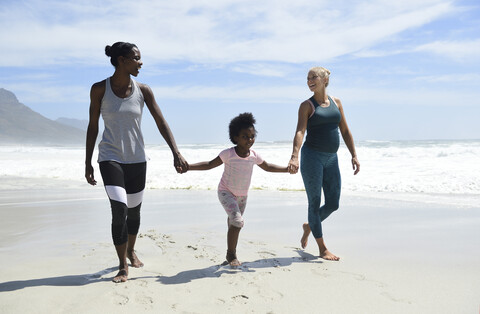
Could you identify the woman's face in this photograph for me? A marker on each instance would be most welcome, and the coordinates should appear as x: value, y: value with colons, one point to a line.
x: 315, y: 81
x: 133, y: 62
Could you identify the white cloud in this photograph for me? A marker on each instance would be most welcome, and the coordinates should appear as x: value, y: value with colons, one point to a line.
x: 389, y: 97
x: 261, y: 69
x: 460, y: 50
x: 233, y: 93
x: 450, y: 78
x: 52, y: 32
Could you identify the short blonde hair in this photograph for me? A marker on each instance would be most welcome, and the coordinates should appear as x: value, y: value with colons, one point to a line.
x: 322, y: 72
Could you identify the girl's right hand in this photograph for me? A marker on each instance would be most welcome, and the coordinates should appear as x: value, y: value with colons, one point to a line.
x: 293, y: 165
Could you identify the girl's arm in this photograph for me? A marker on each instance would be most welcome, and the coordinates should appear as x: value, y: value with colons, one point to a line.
x: 348, y: 138
x: 179, y: 162
x: 206, y: 165
x: 272, y: 167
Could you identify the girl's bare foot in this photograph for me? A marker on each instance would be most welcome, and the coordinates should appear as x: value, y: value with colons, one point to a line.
x: 329, y: 256
x: 306, y: 233
x: 232, y: 259
x: 122, y: 276
x: 134, y: 261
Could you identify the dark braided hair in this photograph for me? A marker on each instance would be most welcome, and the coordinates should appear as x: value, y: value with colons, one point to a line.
x: 240, y: 122
x: 118, y: 49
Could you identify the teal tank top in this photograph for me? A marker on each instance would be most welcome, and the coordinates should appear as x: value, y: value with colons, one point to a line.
x: 322, y: 127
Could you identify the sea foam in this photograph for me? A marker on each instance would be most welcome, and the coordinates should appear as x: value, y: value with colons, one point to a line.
x: 434, y: 167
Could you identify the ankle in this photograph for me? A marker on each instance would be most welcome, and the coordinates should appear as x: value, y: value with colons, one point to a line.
x: 231, y: 255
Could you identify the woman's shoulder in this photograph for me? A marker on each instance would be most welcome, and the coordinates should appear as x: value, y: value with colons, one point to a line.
x: 306, y: 108
x: 335, y: 98
x: 98, y: 89
x: 337, y: 101
x: 306, y: 102
x: 100, y: 85
x: 144, y: 88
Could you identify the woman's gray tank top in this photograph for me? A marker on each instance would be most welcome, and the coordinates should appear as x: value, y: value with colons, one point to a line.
x: 122, y: 139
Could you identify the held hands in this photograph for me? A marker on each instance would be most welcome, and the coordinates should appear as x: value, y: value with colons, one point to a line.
x: 180, y: 164
x: 293, y: 165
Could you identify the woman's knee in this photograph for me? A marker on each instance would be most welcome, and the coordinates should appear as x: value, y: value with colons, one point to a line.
x: 119, y: 213
x: 332, y: 206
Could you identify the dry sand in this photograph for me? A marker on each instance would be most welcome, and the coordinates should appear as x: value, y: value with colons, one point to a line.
x: 396, y: 256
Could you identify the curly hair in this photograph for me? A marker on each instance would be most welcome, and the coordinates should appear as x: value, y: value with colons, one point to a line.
x: 118, y: 49
x: 240, y: 122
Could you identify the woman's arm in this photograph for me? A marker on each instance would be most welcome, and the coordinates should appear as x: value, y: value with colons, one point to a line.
x: 96, y: 94
x: 178, y: 161
x: 272, y: 167
x: 348, y: 137
x: 206, y: 165
x: 304, y: 113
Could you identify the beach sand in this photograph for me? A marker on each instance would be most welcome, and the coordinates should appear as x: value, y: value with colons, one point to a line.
x: 396, y: 256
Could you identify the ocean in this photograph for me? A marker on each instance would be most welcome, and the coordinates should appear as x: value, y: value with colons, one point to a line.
x: 437, y: 168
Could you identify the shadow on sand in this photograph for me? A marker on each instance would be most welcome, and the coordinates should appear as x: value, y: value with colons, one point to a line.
x: 180, y: 278
x: 68, y: 281
x: 218, y: 270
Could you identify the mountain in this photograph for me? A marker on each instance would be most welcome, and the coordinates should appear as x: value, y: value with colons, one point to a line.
x: 76, y: 123
x: 21, y: 125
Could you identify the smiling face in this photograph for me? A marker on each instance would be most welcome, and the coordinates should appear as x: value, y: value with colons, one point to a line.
x: 315, y: 80
x: 245, y: 138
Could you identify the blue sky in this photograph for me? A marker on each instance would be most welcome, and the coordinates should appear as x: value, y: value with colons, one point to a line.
x: 403, y: 69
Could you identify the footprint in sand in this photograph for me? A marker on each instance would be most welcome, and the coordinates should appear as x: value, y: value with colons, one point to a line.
x: 160, y: 240
x: 145, y: 300
x: 241, y: 298
x: 266, y: 254
x: 390, y: 297
x: 321, y: 272
x: 120, y: 299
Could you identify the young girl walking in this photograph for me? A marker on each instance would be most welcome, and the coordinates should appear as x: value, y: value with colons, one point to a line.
x: 233, y: 187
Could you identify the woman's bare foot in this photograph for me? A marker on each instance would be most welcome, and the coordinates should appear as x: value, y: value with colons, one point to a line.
x: 306, y: 233
x: 134, y: 261
x: 324, y: 252
x: 329, y: 256
x: 122, y: 275
x: 232, y: 259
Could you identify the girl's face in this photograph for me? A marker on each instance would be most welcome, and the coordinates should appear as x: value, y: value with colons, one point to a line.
x: 245, y: 138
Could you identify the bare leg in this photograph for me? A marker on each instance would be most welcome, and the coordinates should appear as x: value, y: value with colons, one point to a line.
x: 306, y: 233
x: 232, y: 241
x: 122, y: 275
x: 324, y: 252
x: 134, y: 261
